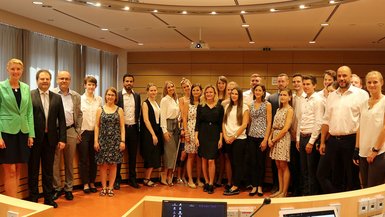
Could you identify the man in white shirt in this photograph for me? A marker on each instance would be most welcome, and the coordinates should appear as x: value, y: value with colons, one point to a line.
x: 356, y: 81
x: 248, y: 94
x: 341, y: 120
x: 307, y: 134
x: 295, y: 163
x: 129, y: 101
x: 329, y: 78
x: 74, y: 117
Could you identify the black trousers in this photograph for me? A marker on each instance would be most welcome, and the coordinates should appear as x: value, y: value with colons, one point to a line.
x: 373, y: 174
x: 295, y: 170
x: 46, y: 153
x: 336, y: 171
x: 309, y: 165
x: 238, y: 160
x: 132, y: 141
x: 256, y: 161
x: 87, y: 164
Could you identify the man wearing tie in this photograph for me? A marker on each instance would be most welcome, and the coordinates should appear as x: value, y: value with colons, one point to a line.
x: 73, y: 118
x: 50, y: 133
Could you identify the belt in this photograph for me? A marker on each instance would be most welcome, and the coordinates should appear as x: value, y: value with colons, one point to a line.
x: 305, y: 135
x: 70, y: 126
x: 344, y: 137
x: 130, y: 125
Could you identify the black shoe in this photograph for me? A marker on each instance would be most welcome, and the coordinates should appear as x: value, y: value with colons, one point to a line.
x: 68, y: 195
x: 260, y: 194
x: 117, y: 185
x: 93, y: 190
x: 57, y: 194
x: 210, y: 189
x: 231, y: 192
x: 51, y: 203
x: 252, y: 193
x: 33, y: 199
x: 134, y: 184
x: 227, y: 187
x: 205, y: 187
x: 87, y: 190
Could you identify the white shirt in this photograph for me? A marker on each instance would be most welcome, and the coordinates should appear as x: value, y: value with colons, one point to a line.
x: 321, y: 93
x: 310, y: 121
x: 371, y: 124
x: 232, y: 126
x: 298, y: 100
x: 88, y: 108
x: 342, y: 111
x: 156, y: 108
x: 129, y: 107
x: 169, y: 109
x: 68, y: 107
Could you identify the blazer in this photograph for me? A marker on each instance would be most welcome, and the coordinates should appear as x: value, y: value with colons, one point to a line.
x: 78, y: 114
x: 120, y: 103
x: 57, y: 131
x: 274, y: 100
x: 13, y: 119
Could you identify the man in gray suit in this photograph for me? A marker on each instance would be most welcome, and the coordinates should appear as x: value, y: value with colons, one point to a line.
x: 74, y: 117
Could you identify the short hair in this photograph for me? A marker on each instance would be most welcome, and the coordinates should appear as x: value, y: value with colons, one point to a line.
x: 264, y: 91
x: 128, y: 75
x: 283, y: 75
x: 255, y: 75
x: 41, y: 71
x: 312, y: 78
x: 331, y: 73
x: 112, y: 89
x: 90, y: 79
x: 297, y: 75
x: 14, y: 61
x: 175, y: 96
x: 150, y: 85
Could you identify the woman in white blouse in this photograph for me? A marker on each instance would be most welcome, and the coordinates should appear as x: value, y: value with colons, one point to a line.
x: 169, y: 114
x: 87, y: 165
x: 370, y: 148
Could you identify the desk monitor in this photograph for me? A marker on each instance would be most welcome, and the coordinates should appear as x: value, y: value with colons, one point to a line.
x: 172, y: 208
x: 327, y: 211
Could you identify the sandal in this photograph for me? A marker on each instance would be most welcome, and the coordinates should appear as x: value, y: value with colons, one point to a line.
x: 149, y: 183
x: 103, y: 192
x: 110, y: 192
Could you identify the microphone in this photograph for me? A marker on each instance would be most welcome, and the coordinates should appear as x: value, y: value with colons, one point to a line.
x: 266, y: 201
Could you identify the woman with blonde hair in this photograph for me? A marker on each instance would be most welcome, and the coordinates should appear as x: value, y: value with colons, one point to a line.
x: 16, y: 126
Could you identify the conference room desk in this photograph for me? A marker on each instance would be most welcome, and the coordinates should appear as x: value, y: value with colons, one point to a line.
x: 24, y: 208
x: 151, y: 206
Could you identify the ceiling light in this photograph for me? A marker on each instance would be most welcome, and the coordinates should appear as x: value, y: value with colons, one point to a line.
x: 140, y: 44
x: 311, y: 42
x: 302, y: 7
x: 251, y: 42
x: 69, y: 0
x: 37, y: 2
x: 273, y: 10
x: 126, y: 8
x: 243, y: 12
x: 184, y: 12
x: 332, y: 2
x: 155, y: 11
x: 245, y: 25
x: 98, y: 4
x: 104, y: 29
x: 324, y: 24
x: 213, y: 13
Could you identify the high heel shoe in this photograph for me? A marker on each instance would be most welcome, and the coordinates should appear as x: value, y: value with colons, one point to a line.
x: 163, y: 180
x: 191, y: 185
x: 110, y: 192
x: 253, y: 191
x: 103, y: 192
x: 148, y: 183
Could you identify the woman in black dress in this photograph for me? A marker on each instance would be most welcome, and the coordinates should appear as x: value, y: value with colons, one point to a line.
x: 208, y: 134
x: 151, y: 134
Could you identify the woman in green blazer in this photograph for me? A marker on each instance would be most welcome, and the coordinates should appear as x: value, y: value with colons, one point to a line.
x: 16, y: 126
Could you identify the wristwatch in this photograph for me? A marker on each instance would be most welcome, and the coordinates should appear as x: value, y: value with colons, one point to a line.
x: 375, y: 150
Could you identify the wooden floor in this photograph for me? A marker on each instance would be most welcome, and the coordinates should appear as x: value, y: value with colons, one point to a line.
x: 97, y: 206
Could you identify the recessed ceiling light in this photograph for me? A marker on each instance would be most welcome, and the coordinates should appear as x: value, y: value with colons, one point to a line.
x: 273, y: 10
x: 140, y: 44
x: 245, y: 25
x: 69, y: 0
x: 126, y: 8
x: 37, y: 2
x: 184, y: 12
x: 243, y: 12
x: 155, y: 11
x: 104, y: 29
x: 302, y: 7
x: 311, y: 42
x: 213, y: 12
x: 332, y: 2
x: 98, y: 4
x: 251, y: 42
x: 324, y: 24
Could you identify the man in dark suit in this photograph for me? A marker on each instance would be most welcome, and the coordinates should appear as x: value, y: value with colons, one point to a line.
x: 129, y: 101
x: 282, y: 83
x: 50, y: 133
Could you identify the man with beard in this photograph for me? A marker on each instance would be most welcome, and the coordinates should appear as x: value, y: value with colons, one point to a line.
x: 129, y: 101
x: 340, y: 120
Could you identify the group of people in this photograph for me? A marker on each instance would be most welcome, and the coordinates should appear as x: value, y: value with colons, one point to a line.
x: 319, y: 142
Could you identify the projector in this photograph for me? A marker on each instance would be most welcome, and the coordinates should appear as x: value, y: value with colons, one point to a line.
x: 199, y: 45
